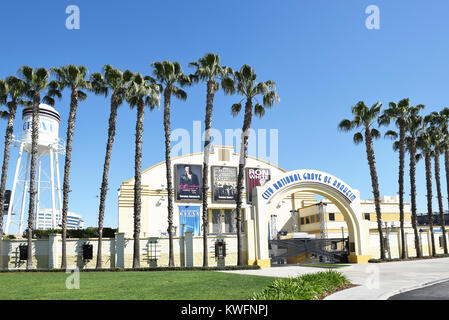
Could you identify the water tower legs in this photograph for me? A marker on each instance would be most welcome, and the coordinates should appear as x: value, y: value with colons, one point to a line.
x: 25, y: 191
x: 13, y: 191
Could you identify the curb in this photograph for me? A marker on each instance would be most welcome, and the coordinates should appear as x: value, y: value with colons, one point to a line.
x: 419, y: 286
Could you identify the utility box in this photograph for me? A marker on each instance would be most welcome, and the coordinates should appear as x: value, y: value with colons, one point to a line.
x: 220, y: 249
x: 87, y: 251
x: 23, y: 252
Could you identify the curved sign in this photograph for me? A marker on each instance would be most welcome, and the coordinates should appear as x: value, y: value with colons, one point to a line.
x: 298, y: 177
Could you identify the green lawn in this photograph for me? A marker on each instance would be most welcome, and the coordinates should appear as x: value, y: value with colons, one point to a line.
x: 160, y: 285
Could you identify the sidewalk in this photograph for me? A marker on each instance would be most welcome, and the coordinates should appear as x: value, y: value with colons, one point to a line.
x: 377, y: 281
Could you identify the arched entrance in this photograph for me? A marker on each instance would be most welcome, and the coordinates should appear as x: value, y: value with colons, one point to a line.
x: 266, y: 197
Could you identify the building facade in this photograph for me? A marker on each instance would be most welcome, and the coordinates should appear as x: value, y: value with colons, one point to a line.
x: 297, y: 212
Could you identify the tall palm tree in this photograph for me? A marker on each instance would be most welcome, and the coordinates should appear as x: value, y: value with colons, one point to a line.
x: 115, y: 82
x: 424, y: 143
x: 364, y: 118
x: 444, y: 114
x: 246, y: 84
x: 439, y: 141
x: 440, y: 120
x: 141, y: 92
x: 400, y: 113
x: 73, y: 78
x: 169, y: 75
x: 208, y: 69
x: 415, y: 125
x: 12, y: 88
x: 35, y: 80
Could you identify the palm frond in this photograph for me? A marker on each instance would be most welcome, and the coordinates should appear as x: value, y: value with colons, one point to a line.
x: 357, y: 138
x: 235, y: 109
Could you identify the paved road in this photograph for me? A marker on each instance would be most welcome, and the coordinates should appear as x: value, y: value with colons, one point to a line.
x: 376, y: 281
x: 438, y: 291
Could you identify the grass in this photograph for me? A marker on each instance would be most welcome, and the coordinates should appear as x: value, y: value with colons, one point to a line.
x: 163, y: 285
x: 306, y: 287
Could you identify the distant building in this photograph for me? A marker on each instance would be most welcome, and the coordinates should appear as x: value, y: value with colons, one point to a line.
x: 43, y: 220
x: 423, y: 219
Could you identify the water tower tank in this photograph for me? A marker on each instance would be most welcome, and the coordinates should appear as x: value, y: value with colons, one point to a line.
x: 48, y: 128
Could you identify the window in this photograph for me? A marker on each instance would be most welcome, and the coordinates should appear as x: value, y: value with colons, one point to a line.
x: 317, y: 218
x: 366, y: 216
x: 224, y: 220
x: 302, y: 220
x: 331, y: 216
x: 216, y: 220
x: 230, y: 222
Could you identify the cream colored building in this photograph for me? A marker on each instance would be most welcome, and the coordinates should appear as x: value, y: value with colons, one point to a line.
x: 297, y: 211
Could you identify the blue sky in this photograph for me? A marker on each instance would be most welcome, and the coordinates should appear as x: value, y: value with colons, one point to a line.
x: 319, y: 53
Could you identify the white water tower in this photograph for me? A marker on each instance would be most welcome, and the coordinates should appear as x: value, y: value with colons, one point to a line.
x: 49, y: 146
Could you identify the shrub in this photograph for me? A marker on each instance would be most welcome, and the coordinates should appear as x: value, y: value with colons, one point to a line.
x: 305, y: 287
x: 74, y: 233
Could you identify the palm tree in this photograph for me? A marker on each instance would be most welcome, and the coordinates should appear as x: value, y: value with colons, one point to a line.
x: 444, y: 114
x: 169, y: 74
x: 114, y: 81
x: 208, y: 69
x: 439, y: 141
x: 35, y: 80
x: 364, y: 118
x: 245, y: 83
x: 141, y: 92
x: 415, y: 125
x: 73, y: 78
x: 400, y: 114
x: 440, y: 121
x: 424, y: 143
x: 13, y: 88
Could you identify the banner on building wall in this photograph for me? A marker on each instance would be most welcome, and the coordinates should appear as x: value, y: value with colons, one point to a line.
x: 188, y: 179
x: 189, y: 219
x: 224, y: 183
x: 255, y: 177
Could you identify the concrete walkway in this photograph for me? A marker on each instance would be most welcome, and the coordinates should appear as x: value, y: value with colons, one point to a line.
x: 377, y: 281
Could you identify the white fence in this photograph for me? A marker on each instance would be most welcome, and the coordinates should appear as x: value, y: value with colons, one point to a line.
x: 118, y: 252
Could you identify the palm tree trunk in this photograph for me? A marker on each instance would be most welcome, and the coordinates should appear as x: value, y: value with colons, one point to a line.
x: 34, y: 155
x: 446, y: 164
x: 429, y: 197
x: 207, y: 125
x: 167, y: 96
x: 6, y: 152
x: 375, y: 186
x: 138, y: 183
x: 66, y: 183
x: 243, y: 150
x: 104, y: 183
x: 413, y: 195
x: 440, y: 198
x: 401, y: 185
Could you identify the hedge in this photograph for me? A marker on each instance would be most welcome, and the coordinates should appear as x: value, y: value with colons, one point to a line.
x: 222, y: 268
x: 74, y: 233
